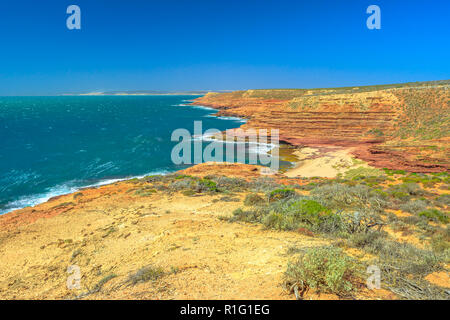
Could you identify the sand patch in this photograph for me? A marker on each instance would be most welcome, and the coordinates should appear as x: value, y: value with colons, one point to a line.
x: 327, y: 163
x: 441, y: 279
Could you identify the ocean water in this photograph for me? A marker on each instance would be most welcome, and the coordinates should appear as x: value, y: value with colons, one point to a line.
x: 55, y: 145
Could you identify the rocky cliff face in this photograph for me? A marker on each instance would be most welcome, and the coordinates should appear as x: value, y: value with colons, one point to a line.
x: 374, y: 119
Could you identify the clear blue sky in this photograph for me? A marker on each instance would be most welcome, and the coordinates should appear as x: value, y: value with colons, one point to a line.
x: 196, y: 44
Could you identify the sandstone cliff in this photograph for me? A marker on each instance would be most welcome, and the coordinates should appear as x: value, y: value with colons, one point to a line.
x: 392, y: 126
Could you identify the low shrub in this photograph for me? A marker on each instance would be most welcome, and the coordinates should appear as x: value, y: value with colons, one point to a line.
x: 365, y: 239
x: 440, y: 243
x: 435, y: 215
x: 325, y: 269
x: 413, y: 206
x: 279, y: 194
x: 404, y: 257
x: 245, y: 215
x: 341, y: 196
x: 362, y: 172
x: 360, y: 222
x: 409, y: 189
x: 194, y: 184
x: 263, y: 184
x: 147, y: 273
x: 443, y: 200
x: 297, y: 213
x: 206, y: 185
x: 253, y: 199
x: 230, y: 184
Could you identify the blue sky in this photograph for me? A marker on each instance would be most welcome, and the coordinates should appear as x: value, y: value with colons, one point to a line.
x: 196, y: 44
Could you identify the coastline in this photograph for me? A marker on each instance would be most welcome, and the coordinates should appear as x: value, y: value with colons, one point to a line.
x: 66, y: 189
x: 227, y: 231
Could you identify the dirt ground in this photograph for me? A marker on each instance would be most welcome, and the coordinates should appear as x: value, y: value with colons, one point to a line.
x: 110, y: 234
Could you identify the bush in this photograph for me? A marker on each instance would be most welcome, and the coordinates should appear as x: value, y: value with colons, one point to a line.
x: 279, y: 194
x: 293, y: 214
x: 434, y: 215
x: 365, y: 239
x: 148, y: 273
x: 413, y: 206
x: 308, y: 211
x: 253, y: 199
x: 279, y: 221
x: 440, y: 243
x: 230, y: 184
x: 406, y: 258
x: 246, y: 216
x: 443, y: 200
x: 409, y: 189
x: 263, y: 184
x: 341, y: 196
x: 360, y: 222
x: 325, y: 269
x: 206, y: 185
x: 392, y: 172
x: 193, y: 184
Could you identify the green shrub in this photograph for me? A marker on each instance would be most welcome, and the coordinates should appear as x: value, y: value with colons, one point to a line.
x: 192, y: 183
x: 230, y: 184
x: 360, y: 222
x: 245, y: 215
x: 279, y: 221
x: 279, y: 194
x: 414, y: 206
x: 362, y: 172
x: 253, y: 199
x: 391, y: 172
x: 365, y: 239
x: 207, y: 185
x: 325, y: 269
x: 440, y: 243
x: 435, y: 215
x: 341, y: 196
x: 145, y: 192
x: 443, y: 200
x: 263, y: 184
x: 294, y: 213
x: 406, y: 258
x: 410, y: 189
x: 308, y: 211
x: 156, y: 178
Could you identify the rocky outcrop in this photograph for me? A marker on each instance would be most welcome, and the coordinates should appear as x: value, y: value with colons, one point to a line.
x: 368, y: 120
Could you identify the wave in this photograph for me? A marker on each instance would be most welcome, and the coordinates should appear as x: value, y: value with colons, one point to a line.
x: 252, y: 147
x: 193, y: 106
x: 226, y: 118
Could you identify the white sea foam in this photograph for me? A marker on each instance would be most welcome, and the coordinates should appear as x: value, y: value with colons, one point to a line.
x: 203, y: 107
x: 253, y: 147
x: 226, y: 118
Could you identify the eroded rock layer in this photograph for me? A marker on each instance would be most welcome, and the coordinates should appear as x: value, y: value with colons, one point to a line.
x: 403, y: 127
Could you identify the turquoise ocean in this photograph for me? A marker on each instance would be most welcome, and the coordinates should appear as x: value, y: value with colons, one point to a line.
x: 51, y: 146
